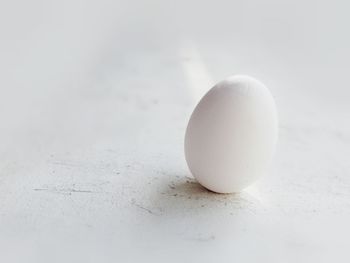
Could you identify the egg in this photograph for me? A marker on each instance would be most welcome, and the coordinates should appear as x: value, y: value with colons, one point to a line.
x: 231, y: 135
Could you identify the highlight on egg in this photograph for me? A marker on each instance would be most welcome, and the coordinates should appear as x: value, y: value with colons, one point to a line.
x: 231, y: 135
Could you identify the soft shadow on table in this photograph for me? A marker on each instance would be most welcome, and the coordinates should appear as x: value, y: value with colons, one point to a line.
x: 184, y: 195
x: 176, y: 208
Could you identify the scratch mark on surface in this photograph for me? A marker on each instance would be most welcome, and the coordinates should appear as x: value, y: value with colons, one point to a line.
x: 64, y: 191
x: 143, y: 208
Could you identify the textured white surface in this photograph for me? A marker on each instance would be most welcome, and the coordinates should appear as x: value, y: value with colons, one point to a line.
x: 94, y: 102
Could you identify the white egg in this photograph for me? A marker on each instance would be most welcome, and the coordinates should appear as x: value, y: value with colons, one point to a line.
x: 232, y: 133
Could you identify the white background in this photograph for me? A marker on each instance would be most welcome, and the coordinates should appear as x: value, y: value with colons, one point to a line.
x: 94, y: 101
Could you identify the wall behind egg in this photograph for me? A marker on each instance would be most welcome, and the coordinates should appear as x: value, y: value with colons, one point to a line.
x: 298, y: 49
x: 299, y: 39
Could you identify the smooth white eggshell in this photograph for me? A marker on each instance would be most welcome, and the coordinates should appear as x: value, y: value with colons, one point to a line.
x: 231, y: 136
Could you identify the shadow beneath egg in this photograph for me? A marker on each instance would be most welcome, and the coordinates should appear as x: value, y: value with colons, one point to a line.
x: 179, y: 208
x: 184, y: 195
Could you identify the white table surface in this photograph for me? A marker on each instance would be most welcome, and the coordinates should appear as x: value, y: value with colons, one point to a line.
x: 94, y: 101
